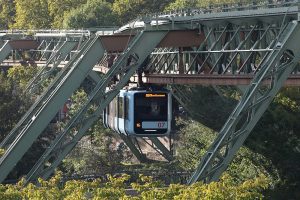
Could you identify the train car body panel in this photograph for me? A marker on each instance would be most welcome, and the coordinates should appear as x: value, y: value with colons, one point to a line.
x: 140, y: 113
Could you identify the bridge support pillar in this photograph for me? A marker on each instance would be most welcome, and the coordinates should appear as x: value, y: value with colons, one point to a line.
x: 275, y: 69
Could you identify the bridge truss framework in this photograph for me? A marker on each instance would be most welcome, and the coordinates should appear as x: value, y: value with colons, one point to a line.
x: 238, y: 45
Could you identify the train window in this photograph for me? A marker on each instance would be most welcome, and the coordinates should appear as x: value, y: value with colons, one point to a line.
x: 151, y: 107
x: 116, y: 107
x: 112, y: 108
x: 107, y: 109
x: 126, y: 107
x: 120, y: 107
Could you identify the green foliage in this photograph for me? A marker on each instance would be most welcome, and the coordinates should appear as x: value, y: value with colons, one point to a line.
x: 130, y: 9
x: 32, y: 14
x: 226, y: 189
x: 2, y: 151
x: 7, y: 12
x: 58, y: 9
x: 277, y: 137
x: 12, y: 103
x: 182, y: 4
x: 288, y: 98
x: 95, y: 152
x: 146, y: 189
x: 208, y: 107
x: 21, y: 75
x: 94, y: 13
x: 195, y: 140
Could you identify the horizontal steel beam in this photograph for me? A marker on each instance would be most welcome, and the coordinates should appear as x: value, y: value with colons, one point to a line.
x: 23, y: 44
x: 199, y: 79
x: 176, y: 38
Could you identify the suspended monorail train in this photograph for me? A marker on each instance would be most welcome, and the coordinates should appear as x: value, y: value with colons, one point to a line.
x: 140, y: 113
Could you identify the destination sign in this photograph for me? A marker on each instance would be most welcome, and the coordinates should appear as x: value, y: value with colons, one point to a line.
x: 155, y: 95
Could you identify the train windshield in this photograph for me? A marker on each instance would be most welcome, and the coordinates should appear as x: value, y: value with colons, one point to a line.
x: 151, y: 106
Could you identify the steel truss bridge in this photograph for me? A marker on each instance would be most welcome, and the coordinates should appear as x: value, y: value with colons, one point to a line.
x: 251, y: 45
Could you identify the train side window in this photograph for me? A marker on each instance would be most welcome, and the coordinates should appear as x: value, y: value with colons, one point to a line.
x: 112, y: 108
x: 126, y: 107
x: 107, y: 109
x: 120, y: 107
x: 116, y: 107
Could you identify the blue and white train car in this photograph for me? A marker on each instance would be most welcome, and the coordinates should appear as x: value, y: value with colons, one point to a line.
x: 140, y: 113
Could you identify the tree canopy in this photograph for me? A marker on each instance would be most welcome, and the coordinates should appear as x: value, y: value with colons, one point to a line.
x: 58, y: 9
x: 95, y: 13
x: 74, y: 14
x: 7, y: 12
x: 31, y: 14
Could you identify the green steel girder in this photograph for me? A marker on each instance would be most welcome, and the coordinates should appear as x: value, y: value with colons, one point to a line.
x: 55, y: 97
x: 236, y: 14
x: 181, y: 96
x: 136, y: 151
x: 157, y: 145
x: 48, y: 43
x: 55, y: 59
x: 279, y: 63
x: 94, y: 76
x: 160, y: 147
x: 49, y: 47
x: 227, y: 49
x: 30, y: 114
x: 201, y: 48
x: 5, y: 51
x: 138, y: 50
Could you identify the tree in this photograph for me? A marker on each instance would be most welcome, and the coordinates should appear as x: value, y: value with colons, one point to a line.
x: 58, y: 9
x: 11, y: 103
x: 195, y: 140
x: 277, y: 137
x: 32, y: 14
x: 182, y: 4
x: 11, y: 99
x: 130, y: 9
x: 94, y: 152
x: 146, y: 188
x: 95, y: 13
x: 7, y: 12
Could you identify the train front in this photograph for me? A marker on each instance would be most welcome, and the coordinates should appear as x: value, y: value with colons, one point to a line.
x: 152, y: 113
